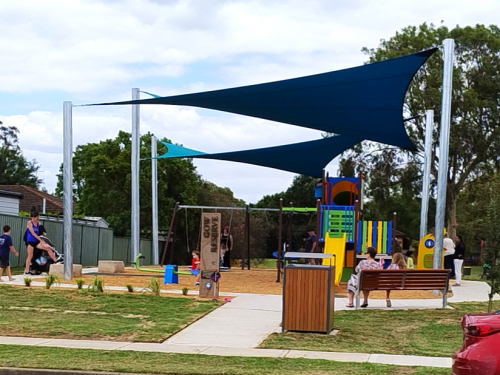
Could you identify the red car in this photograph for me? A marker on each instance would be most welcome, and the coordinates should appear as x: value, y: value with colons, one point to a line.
x: 480, y: 351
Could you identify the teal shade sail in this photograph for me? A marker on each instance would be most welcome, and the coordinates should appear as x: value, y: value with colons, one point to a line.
x: 307, y: 158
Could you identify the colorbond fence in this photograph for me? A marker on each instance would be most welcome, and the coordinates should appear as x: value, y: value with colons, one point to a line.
x: 90, y: 244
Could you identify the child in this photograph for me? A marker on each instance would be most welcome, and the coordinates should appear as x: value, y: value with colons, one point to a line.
x: 398, y: 263
x: 195, y: 266
x: 223, y: 249
x: 409, y: 259
x: 5, y: 249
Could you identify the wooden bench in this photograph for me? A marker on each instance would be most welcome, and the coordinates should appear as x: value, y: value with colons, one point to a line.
x: 409, y: 279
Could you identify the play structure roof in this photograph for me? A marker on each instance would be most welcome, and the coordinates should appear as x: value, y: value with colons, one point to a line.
x: 307, y: 158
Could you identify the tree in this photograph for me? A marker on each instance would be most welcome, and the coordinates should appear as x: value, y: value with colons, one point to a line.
x: 475, y: 130
x: 492, y: 252
x: 14, y: 168
x: 102, y: 182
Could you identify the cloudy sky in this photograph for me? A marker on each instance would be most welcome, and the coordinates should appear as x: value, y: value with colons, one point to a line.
x: 98, y: 50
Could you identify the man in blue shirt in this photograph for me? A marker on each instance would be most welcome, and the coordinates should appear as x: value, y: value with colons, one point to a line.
x: 310, y: 246
x: 5, y: 248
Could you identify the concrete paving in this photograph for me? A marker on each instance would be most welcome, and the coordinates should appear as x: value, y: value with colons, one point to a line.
x: 243, y: 323
x: 238, y: 327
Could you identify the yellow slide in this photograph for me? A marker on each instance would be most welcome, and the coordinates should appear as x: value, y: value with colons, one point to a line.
x: 336, y: 246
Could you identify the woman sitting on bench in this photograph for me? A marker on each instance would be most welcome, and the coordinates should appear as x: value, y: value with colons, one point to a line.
x: 352, y: 285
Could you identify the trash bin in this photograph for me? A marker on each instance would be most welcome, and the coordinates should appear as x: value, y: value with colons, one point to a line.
x: 308, y: 295
x: 467, y: 271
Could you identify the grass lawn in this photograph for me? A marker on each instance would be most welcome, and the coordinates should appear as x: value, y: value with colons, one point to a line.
x: 161, y: 363
x: 411, y: 332
x: 266, y: 263
x: 476, y: 272
x: 79, y: 314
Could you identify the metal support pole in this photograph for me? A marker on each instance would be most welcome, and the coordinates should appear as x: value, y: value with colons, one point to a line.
x: 444, y: 139
x: 280, y: 226
x: 247, y: 221
x: 426, y: 172
x: 393, y: 246
x: 68, y: 189
x: 136, y: 139
x: 154, y: 195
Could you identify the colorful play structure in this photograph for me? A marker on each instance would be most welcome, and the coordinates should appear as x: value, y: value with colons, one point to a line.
x: 341, y: 229
x: 426, y: 252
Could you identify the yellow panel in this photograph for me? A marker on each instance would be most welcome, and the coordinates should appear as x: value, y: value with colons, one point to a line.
x: 426, y: 251
x: 336, y: 246
x: 369, y: 236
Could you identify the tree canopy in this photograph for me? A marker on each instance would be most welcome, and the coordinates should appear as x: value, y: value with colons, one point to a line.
x: 14, y: 167
x: 475, y: 131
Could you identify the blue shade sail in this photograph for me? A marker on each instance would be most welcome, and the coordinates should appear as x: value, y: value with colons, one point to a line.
x: 307, y: 158
x: 364, y: 102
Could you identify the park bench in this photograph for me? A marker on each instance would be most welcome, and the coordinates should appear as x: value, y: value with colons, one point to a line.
x: 409, y: 279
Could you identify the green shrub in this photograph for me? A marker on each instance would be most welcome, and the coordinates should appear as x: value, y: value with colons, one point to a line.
x: 51, y: 280
x: 97, y: 284
x: 79, y: 283
x: 130, y: 288
x: 27, y: 281
x: 154, y: 286
x: 185, y: 290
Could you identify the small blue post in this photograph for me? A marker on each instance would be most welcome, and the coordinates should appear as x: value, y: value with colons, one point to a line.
x: 171, y: 276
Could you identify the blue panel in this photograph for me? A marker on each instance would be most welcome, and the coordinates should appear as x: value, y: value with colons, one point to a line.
x: 389, y: 237
x: 374, y: 234
x: 360, y: 236
x: 366, y: 101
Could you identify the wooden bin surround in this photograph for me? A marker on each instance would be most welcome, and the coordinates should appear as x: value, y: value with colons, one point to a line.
x: 308, y: 296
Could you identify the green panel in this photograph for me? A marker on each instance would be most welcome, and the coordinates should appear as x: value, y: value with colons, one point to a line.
x: 55, y: 231
x: 365, y: 232
x: 384, y: 237
x: 121, y: 249
x: 17, y: 228
x: 90, y: 246
x: 105, y: 244
x: 77, y: 244
x: 346, y: 274
x: 146, y: 250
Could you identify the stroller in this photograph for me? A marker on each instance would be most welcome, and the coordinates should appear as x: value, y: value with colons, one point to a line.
x: 40, y: 263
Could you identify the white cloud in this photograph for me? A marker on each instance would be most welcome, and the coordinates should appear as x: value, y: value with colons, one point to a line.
x: 95, y: 51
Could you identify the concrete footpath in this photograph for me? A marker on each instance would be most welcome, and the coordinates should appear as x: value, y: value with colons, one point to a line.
x: 238, y: 327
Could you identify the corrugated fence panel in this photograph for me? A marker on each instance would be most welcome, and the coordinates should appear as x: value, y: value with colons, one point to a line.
x: 77, y: 244
x: 105, y: 244
x: 121, y: 249
x: 17, y: 228
x: 90, y: 246
x: 55, y: 231
x: 146, y: 249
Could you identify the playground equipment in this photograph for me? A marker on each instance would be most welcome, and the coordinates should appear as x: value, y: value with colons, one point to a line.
x: 341, y: 228
x: 170, y: 271
x: 426, y: 252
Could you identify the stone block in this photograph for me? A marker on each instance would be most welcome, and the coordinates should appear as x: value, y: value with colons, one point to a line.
x: 58, y: 270
x: 110, y: 266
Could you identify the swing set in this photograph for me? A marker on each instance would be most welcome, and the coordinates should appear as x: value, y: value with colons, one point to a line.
x: 170, y: 241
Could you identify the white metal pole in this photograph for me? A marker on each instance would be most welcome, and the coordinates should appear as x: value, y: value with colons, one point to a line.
x: 68, y: 189
x: 154, y: 195
x: 136, y: 134
x: 444, y: 139
x: 426, y: 172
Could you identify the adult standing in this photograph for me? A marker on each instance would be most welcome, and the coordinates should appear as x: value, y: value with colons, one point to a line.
x: 459, y: 259
x: 310, y: 245
x: 449, y: 254
x: 226, y: 239
x: 33, y: 241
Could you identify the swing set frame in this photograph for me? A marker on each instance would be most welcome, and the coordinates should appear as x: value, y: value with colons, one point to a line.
x: 169, y: 243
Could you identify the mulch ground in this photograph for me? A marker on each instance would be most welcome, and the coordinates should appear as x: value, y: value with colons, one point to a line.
x: 235, y: 280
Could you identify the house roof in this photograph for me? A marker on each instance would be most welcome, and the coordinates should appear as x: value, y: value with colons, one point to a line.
x: 33, y: 197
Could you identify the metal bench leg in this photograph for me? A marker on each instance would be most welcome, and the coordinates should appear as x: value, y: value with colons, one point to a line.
x: 445, y: 298
x: 357, y: 300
